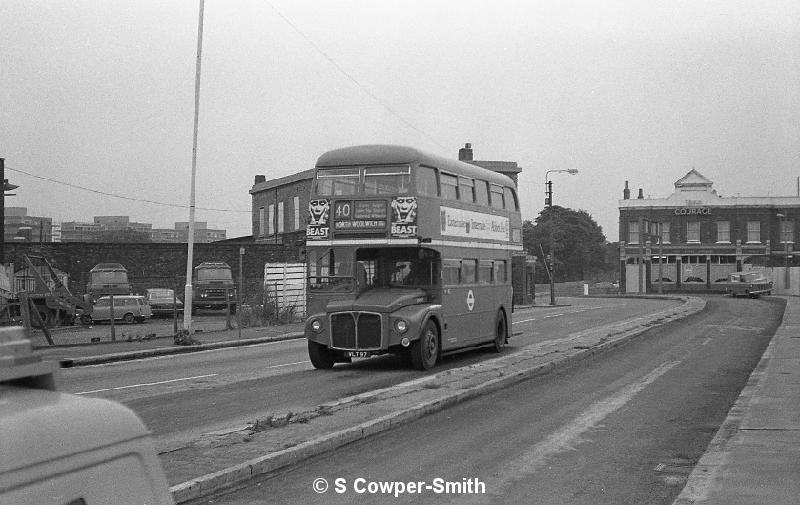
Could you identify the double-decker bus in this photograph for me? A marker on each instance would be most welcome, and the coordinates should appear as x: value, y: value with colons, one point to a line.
x: 408, y: 253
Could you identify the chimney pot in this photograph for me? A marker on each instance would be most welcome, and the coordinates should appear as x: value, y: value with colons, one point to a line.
x: 261, y: 178
x: 465, y: 153
x: 626, y: 193
x: 641, y: 194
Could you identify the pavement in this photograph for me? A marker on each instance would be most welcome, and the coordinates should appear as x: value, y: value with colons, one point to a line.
x: 753, y: 459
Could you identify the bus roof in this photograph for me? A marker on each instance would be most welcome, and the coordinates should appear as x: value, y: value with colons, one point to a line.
x: 385, y: 154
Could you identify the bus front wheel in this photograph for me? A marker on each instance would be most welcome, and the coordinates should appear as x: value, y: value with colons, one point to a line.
x: 425, y: 350
x: 321, y: 357
x: 500, y: 332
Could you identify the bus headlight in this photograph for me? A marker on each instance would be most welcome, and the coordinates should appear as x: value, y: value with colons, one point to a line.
x: 401, y: 326
x: 316, y: 325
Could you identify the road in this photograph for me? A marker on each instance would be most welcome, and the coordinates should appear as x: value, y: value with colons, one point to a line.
x: 181, y: 397
x: 625, y: 427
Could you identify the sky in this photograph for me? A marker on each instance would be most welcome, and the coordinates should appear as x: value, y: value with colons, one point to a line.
x: 97, y: 97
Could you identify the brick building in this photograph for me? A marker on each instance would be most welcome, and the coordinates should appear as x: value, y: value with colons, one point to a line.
x: 700, y: 237
x: 280, y: 208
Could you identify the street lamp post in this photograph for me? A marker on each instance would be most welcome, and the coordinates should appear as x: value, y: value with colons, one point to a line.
x: 784, y: 236
x: 548, y: 190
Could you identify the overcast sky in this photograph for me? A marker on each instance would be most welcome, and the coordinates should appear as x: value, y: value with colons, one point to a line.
x: 100, y: 95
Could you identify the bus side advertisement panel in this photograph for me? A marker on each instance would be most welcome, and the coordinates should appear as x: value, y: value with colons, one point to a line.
x: 468, y: 224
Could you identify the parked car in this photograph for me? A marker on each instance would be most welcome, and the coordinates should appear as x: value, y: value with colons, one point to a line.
x: 127, y: 308
x: 163, y: 302
x: 752, y: 284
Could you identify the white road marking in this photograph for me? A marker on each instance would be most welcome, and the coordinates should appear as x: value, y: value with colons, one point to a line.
x: 176, y: 380
x: 558, y: 314
x: 571, y: 435
x: 146, y: 384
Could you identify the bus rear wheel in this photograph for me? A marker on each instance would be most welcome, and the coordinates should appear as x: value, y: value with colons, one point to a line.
x: 321, y: 356
x: 500, y: 332
x: 424, y: 352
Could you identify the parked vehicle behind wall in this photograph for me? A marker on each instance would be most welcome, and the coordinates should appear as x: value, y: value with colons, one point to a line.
x: 213, y: 287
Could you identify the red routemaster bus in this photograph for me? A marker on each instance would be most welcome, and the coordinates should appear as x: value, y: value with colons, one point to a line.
x: 408, y: 253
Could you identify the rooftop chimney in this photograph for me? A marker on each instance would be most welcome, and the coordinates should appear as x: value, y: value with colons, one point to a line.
x: 626, y: 193
x: 641, y: 194
x: 261, y: 178
x: 465, y: 153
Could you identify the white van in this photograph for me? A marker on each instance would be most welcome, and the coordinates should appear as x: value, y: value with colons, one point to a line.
x: 127, y: 308
x: 60, y: 449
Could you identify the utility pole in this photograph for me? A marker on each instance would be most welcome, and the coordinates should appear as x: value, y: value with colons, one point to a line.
x: 548, y: 184
x: 187, y: 292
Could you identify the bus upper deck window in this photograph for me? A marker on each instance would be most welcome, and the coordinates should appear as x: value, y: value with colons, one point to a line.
x: 387, y: 180
x: 425, y: 181
x: 497, y: 196
x: 337, y: 181
x: 511, y: 199
x: 482, y: 192
x: 466, y: 189
x: 449, y: 186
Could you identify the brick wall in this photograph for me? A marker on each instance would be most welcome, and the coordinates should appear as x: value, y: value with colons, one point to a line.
x: 151, y: 264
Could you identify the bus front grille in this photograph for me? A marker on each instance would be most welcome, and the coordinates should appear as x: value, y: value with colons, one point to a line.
x: 343, y: 331
x: 356, y: 330
x: 369, y: 331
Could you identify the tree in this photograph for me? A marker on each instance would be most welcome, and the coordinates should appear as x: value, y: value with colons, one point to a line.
x: 578, y: 242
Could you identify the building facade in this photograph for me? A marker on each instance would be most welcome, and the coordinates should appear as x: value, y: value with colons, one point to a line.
x: 20, y: 227
x: 280, y: 208
x: 692, y: 239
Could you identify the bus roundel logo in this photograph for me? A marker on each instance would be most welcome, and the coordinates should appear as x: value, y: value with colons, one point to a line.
x: 470, y: 300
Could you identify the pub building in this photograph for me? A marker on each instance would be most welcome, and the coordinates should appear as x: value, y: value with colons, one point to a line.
x: 693, y: 239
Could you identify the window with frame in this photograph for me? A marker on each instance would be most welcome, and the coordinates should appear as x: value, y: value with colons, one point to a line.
x: 665, y: 233
x: 496, y: 193
x: 724, y: 232
x: 387, y: 180
x: 787, y: 231
x: 271, y: 219
x: 449, y: 184
x: 633, y: 232
x: 499, y: 272
x: 425, y: 181
x: 482, y: 192
x: 280, y: 217
x: 693, y: 231
x: 297, y: 213
x: 511, y: 199
x: 338, y: 181
x: 754, y: 232
x: 261, y: 221
x: 451, y: 272
x: 485, y: 272
x: 469, y: 271
x: 466, y: 189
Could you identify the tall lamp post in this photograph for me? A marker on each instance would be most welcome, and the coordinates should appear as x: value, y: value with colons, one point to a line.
x: 6, y: 187
x: 785, y: 237
x: 548, y: 201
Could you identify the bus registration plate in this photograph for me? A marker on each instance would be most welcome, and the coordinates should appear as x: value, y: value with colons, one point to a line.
x: 359, y: 354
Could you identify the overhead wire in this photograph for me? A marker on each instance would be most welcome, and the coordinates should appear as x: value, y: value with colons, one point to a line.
x: 122, y: 197
x: 355, y: 81
x: 316, y: 47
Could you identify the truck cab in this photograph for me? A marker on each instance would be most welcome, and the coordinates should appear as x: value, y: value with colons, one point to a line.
x: 213, y: 287
x: 108, y: 279
x: 60, y: 449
